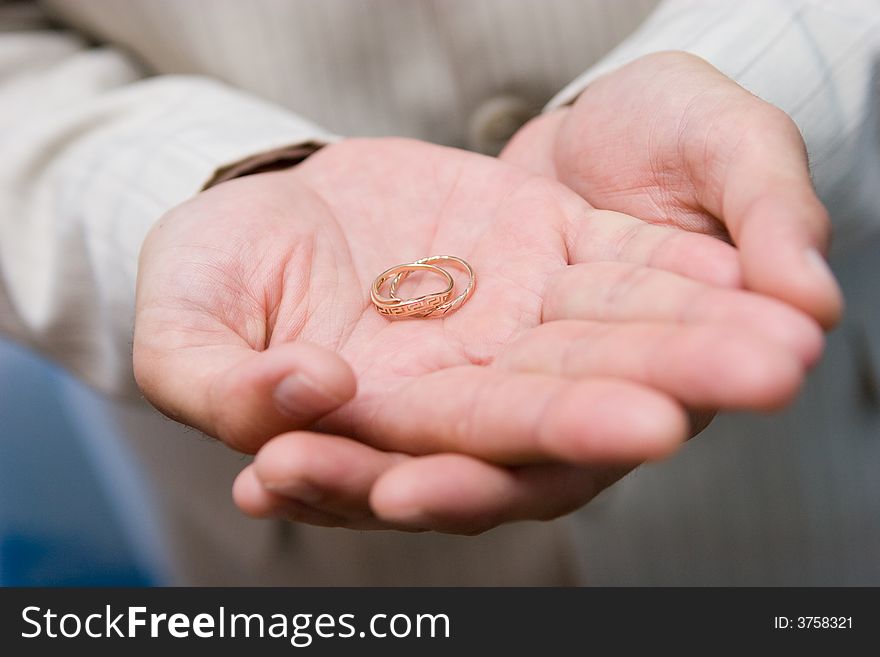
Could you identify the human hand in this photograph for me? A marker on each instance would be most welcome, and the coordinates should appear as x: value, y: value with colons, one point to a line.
x: 571, y: 362
x: 671, y: 140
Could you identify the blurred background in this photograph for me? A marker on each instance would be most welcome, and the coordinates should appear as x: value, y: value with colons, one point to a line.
x: 73, y: 504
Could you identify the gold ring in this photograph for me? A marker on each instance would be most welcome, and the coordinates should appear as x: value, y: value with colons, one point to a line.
x: 448, y: 306
x: 417, y: 306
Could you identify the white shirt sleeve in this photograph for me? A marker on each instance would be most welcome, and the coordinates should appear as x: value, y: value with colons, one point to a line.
x: 91, y: 154
x: 818, y: 60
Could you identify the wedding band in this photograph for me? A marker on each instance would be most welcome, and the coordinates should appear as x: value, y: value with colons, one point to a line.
x: 448, y: 306
x: 418, y: 306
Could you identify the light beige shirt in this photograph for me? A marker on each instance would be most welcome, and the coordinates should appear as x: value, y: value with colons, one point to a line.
x: 124, y: 109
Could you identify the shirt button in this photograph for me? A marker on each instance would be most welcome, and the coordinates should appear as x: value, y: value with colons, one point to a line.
x: 495, y: 121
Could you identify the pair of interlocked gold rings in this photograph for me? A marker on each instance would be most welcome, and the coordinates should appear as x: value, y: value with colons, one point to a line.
x: 435, y: 304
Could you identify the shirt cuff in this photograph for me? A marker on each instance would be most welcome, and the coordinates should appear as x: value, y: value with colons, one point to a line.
x: 279, y: 158
x: 221, y: 135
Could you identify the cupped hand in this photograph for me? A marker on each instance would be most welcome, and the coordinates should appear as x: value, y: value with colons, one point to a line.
x: 671, y: 140
x: 574, y: 360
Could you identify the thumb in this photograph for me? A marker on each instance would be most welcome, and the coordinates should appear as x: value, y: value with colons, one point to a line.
x: 242, y: 396
x: 777, y: 221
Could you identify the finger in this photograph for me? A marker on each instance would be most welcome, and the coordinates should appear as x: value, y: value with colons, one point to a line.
x: 770, y: 207
x: 327, y: 480
x: 460, y: 494
x: 620, y: 292
x: 513, y: 417
x: 602, y: 235
x: 239, y: 395
x: 705, y: 366
x: 329, y: 473
x: 253, y: 499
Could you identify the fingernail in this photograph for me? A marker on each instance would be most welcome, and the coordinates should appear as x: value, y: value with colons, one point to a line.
x: 297, y: 396
x: 830, y: 302
x: 413, y: 517
x: 819, y: 264
x: 298, y: 490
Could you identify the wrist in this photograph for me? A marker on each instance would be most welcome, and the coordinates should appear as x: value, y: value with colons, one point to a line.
x: 533, y: 147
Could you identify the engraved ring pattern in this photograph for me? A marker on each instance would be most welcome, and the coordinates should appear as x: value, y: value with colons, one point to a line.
x: 416, y: 307
x: 435, y: 304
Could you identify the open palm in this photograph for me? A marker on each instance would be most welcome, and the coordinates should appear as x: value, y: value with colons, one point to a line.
x: 573, y: 361
x: 673, y: 141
